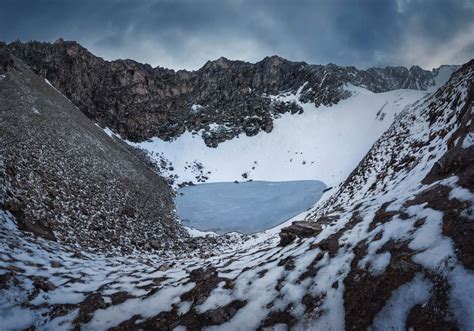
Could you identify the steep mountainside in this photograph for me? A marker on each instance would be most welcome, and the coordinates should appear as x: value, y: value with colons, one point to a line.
x: 140, y: 102
x: 405, y: 218
x: 391, y: 249
x: 63, y: 178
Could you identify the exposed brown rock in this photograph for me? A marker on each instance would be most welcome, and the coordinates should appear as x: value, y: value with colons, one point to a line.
x: 299, y: 229
x: 304, y: 229
x: 435, y: 314
x: 42, y: 283
x: 365, y: 294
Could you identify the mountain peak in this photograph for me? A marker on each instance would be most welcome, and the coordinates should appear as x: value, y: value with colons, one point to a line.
x: 6, y: 60
x: 274, y: 60
x: 222, y: 63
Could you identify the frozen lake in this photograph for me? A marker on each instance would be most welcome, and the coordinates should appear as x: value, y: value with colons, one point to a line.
x: 245, y: 207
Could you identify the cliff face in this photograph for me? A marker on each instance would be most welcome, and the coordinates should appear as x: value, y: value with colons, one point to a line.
x: 63, y: 178
x: 139, y: 102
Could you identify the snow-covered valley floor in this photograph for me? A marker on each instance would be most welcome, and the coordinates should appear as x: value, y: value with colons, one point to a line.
x: 323, y: 143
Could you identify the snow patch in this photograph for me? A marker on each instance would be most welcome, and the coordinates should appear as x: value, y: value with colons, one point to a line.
x: 395, y: 312
x: 195, y: 109
x: 468, y: 140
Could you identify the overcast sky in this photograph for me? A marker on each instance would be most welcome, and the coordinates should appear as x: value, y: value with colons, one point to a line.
x: 184, y: 34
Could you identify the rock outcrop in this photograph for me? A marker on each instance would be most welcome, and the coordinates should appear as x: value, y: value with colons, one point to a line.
x: 305, y: 229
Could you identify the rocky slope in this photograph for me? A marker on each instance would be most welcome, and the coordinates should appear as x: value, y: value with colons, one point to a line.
x: 391, y: 249
x: 139, y: 102
x: 63, y: 178
x: 408, y: 207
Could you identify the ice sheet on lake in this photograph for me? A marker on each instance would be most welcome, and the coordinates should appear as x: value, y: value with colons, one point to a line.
x: 245, y: 207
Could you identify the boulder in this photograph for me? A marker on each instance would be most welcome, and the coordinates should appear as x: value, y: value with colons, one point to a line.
x: 299, y: 229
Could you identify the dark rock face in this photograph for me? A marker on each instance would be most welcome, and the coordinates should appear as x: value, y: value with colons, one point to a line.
x: 6, y: 60
x: 299, y: 229
x: 63, y: 178
x: 139, y: 102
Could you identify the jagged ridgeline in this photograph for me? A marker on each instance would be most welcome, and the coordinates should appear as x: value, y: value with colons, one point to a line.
x: 140, y: 102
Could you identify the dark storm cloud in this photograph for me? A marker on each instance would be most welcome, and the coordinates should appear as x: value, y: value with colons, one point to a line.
x: 184, y: 33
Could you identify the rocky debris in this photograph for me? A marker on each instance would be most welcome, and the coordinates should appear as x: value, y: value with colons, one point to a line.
x: 222, y: 99
x: 456, y: 217
x: 299, y: 229
x: 6, y: 279
x: 367, y: 294
x: 445, y: 189
x: 6, y: 61
x: 43, y: 284
x: 382, y: 216
x: 88, y: 306
x: 434, y: 314
x: 206, y: 280
x: 327, y: 189
x: 64, y: 179
x: 184, y: 184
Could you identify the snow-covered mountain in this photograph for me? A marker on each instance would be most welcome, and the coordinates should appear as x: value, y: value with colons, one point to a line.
x: 390, y: 248
x: 222, y: 99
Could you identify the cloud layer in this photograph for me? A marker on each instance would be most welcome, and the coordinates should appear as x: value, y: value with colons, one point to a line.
x: 186, y: 33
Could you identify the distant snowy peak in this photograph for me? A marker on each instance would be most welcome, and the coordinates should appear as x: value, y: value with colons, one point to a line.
x: 139, y: 102
x: 442, y: 74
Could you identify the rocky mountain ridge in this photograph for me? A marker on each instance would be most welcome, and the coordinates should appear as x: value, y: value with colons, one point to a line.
x: 221, y: 100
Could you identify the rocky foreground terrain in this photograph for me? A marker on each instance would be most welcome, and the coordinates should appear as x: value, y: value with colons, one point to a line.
x: 223, y: 99
x: 392, y: 248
